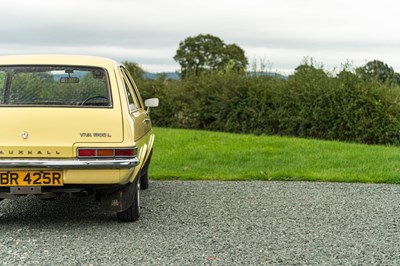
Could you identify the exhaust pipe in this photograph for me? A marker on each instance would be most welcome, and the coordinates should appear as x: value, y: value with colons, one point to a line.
x: 84, y: 193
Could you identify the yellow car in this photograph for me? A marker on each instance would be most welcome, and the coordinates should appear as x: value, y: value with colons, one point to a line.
x: 76, y: 125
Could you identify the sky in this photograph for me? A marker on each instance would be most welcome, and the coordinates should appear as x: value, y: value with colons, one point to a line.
x: 279, y: 34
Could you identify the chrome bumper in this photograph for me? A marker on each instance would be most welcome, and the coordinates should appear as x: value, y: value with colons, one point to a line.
x: 70, y: 164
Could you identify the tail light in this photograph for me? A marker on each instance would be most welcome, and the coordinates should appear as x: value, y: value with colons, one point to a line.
x: 107, y: 152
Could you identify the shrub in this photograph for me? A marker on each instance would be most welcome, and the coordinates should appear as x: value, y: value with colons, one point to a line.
x: 310, y: 103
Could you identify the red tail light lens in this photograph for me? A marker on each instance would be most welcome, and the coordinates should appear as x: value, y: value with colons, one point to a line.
x: 125, y: 152
x: 87, y: 152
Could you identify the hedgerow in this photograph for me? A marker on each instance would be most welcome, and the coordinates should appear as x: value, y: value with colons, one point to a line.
x: 310, y: 103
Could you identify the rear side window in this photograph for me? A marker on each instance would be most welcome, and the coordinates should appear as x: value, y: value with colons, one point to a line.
x: 2, y: 84
x: 132, y: 105
x: 130, y: 83
x: 54, y: 86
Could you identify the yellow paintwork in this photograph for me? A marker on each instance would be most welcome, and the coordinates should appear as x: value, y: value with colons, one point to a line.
x: 57, y: 132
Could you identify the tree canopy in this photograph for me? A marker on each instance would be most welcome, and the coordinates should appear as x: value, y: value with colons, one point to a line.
x: 134, y: 69
x: 378, y: 71
x: 207, y: 52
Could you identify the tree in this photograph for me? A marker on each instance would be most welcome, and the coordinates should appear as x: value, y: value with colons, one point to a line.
x: 207, y: 52
x: 378, y: 71
x: 236, y: 57
x: 134, y: 69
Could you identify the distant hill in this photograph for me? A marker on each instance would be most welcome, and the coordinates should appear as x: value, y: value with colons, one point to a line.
x: 176, y: 76
x: 269, y: 74
x: 168, y: 75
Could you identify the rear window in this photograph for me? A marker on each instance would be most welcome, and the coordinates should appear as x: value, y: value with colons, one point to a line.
x: 54, y: 86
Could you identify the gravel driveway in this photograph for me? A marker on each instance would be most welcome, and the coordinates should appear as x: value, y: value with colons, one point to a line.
x: 212, y: 223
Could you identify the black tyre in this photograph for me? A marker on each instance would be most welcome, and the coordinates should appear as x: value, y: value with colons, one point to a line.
x: 144, y: 175
x: 133, y: 212
x: 144, y: 180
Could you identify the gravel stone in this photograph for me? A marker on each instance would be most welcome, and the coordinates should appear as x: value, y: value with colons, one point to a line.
x: 211, y: 223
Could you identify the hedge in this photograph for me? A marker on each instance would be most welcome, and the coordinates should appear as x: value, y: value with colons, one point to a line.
x: 310, y: 103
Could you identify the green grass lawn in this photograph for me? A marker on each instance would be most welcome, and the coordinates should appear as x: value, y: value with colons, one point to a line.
x: 203, y: 155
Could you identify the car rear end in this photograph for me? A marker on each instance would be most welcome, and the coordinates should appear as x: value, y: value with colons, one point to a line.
x: 64, y: 128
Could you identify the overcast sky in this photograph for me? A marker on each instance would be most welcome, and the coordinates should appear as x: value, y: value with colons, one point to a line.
x: 279, y: 32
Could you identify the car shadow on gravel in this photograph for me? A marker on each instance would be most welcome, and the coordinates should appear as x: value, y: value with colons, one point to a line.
x: 31, y: 210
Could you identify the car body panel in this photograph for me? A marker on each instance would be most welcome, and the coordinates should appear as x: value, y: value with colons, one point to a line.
x: 55, y: 133
x: 60, y: 128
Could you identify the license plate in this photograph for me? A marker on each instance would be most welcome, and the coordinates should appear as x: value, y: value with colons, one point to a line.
x: 31, y: 178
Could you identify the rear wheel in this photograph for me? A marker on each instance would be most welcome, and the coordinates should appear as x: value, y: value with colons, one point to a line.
x: 144, y: 180
x: 133, y: 212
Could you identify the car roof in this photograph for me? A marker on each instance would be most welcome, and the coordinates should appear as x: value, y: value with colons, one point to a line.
x: 81, y: 60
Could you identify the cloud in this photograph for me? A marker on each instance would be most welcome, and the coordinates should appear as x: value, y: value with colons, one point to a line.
x: 149, y: 31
